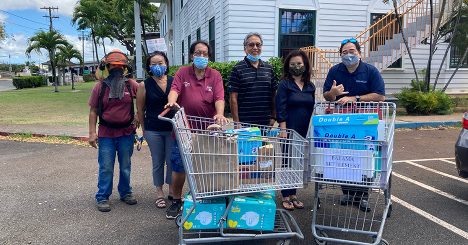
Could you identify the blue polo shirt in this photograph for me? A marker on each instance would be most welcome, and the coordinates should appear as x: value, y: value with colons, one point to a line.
x: 364, y: 80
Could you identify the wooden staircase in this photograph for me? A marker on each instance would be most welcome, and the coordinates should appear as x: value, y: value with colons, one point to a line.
x: 382, y: 42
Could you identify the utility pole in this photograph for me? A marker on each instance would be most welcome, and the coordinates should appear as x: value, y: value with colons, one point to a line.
x: 83, y: 38
x: 138, y: 55
x: 50, y: 16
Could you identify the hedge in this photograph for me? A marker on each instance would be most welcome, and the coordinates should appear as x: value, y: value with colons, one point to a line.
x: 29, y: 82
x: 225, y: 69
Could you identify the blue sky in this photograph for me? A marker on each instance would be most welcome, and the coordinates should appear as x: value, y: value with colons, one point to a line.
x: 20, y: 29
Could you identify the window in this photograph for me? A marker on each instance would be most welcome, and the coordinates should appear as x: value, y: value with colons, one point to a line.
x: 373, y: 45
x: 181, y: 3
x: 297, y: 30
x: 183, y: 53
x: 189, y: 40
x: 211, y: 37
x: 459, y: 44
x: 198, y: 34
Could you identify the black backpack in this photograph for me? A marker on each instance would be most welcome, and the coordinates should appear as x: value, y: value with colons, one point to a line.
x: 100, y: 108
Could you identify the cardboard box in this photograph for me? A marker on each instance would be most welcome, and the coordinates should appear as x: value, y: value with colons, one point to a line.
x: 214, y: 163
x: 206, y: 214
x: 254, y: 212
x: 263, y: 170
x: 248, y: 141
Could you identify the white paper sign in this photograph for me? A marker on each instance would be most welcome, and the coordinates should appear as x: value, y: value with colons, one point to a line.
x: 156, y: 45
x: 347, y: 165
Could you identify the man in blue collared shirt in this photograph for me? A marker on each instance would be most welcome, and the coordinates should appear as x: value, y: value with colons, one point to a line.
x: 353, y: 81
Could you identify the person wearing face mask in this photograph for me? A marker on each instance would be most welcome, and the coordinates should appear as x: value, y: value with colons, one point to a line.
x: 112, y: 102
x: 151, y: 99
x: 252, y: 86
x: 353, y: 81
x: 295, y: 100
x: 199, y: 90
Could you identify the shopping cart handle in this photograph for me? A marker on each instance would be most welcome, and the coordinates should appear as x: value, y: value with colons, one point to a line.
x: 163, y: 113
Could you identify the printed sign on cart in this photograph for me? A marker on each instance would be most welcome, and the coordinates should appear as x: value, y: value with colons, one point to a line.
x: 347, y: 165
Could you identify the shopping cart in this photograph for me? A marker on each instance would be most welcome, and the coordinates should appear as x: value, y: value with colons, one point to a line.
x: 233, y: 159
x: 350, y: 152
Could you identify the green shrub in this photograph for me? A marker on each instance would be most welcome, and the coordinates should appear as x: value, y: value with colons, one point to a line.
x: 89, y: 78
x: 425, y: 103
x: 29, y: 82
x: 225, y: 68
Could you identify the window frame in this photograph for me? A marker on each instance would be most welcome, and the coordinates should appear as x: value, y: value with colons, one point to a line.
x: 212, y: 38
x: 281, y: 35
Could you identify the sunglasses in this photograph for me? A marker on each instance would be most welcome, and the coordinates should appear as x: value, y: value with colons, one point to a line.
x: 349, y: 40
x: 259, y: 45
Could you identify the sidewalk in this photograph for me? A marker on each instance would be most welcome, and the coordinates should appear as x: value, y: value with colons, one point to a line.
x: 81, y: 133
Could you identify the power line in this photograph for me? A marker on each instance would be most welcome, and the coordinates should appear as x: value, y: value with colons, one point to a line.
x: 23, y: 17
x: 35, y: 29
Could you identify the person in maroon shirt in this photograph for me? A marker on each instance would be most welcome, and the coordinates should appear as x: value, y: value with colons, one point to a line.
x: 112, y: 102
x: 199, y: 89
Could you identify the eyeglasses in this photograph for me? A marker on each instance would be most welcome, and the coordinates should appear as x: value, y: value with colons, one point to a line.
x: 200, y: 53
x: 349, y: 40
x: 251, y: 45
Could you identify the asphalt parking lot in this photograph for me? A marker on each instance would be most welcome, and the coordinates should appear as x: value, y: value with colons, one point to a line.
x: 46, y: 197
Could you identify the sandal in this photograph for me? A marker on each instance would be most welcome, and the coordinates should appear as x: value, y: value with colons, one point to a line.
x: 288, y: 207
x: 160, y: 202
x: 297, y: 204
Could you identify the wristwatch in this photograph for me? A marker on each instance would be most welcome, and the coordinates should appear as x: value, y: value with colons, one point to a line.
x: 358, y: 98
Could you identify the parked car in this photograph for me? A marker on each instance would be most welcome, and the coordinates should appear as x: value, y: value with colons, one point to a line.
x: 461, y: 149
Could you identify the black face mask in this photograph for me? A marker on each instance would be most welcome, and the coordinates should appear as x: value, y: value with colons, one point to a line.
x: 297, y: 70
x: 116, y: 72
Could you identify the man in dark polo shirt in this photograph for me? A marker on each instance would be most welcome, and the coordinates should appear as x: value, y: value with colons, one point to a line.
x: 353, y: 81
x: 252, y: 86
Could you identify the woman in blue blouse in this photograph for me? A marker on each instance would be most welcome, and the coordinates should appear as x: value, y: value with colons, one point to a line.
x: 295, y: 101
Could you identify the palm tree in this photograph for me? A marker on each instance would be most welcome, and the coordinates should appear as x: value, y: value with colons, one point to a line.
x: 87, y: 14
x: 48, y: 41
x: 66, y: 54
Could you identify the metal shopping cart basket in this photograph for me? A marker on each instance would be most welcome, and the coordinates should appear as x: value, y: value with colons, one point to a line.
x: 233, y: 159
x: 350, y: 153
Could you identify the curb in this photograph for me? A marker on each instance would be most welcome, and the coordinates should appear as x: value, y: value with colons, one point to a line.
x: 79, y: 138
x: 434, y: 124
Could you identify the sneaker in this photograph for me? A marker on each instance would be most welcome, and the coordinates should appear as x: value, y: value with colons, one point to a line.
x: 174, y: 209
x: 346, y: 199
x: 103, y: 206
x: 129, y: 199
x: 364, y: 206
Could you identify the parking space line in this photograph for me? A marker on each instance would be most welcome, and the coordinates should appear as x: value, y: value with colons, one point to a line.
x: 430, y: 188
x: 425, y: 160
x: 437, y: 172
x: 447, y: 161
x: 431, y: 217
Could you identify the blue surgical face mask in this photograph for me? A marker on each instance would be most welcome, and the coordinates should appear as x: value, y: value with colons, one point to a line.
x: 200, y: 62
x: 349, y: 59
x: 158, y: 70
x: 253, y: 58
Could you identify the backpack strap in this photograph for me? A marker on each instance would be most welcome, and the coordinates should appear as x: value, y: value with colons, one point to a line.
x: 100, y: 109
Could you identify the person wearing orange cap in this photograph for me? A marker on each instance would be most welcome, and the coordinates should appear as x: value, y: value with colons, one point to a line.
x: 112, y: 102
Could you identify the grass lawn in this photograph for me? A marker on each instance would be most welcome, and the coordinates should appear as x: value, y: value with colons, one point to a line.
x: 44, y: 106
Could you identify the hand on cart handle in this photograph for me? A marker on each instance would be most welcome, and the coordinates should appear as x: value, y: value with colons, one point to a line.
x: 346, y: 99
x: 220, y: 119
x: 337, y: 90
x: 172, y: 105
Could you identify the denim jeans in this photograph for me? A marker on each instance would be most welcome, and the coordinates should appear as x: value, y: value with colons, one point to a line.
x: 107, y: 150
x: 160, y: 145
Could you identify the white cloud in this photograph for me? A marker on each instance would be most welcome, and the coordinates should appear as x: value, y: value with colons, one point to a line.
x: 65, y: 7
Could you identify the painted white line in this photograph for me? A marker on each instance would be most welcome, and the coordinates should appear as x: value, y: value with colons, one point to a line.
x: 437, y: 172
x: 429, y: 159
x: 431, y: 217
x: 430, y: 188
x: 447, y: 161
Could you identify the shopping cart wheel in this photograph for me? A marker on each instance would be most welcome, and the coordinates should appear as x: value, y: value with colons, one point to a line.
x: 178, y: 220
x: 323, y: 234
x: 383, y: 242
x: 389, y: 213
x: 283, y: 242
